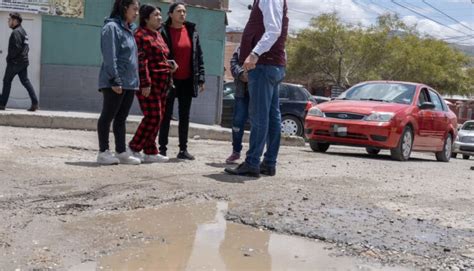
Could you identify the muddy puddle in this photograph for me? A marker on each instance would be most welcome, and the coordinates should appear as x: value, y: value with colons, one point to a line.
x: 197, y: 237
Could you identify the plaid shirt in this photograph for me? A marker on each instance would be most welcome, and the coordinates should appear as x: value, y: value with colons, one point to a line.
x: 153, y: 54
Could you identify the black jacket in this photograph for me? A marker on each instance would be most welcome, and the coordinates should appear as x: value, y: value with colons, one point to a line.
x: 197, y: 58
x: 18, y: 47
x: 241, y: 89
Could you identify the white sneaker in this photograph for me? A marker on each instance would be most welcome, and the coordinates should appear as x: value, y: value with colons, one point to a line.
x: 127, y: 158
x: 155, y: 158
x: 107, y: 158
x: 139, y: 156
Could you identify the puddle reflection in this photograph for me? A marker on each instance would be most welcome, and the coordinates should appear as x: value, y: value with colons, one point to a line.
x: 198, y: 237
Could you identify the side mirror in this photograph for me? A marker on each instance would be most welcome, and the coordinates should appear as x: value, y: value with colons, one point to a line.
x: 427, y: 106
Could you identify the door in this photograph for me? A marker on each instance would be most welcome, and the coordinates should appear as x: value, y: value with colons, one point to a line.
x: 424, y: 138
x: 32, y: 24
x: 440, y: 122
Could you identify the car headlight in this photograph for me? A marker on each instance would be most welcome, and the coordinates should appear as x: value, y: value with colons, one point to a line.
x: 380, y: 116
x: 316, y: 112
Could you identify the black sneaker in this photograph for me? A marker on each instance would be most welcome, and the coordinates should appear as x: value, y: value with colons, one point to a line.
x: 267, y: 170
x: 185, y: 155
x: 243, y: 170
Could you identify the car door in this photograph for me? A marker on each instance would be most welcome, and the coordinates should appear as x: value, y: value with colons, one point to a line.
x: 424, y: 136
x: 440, y: 121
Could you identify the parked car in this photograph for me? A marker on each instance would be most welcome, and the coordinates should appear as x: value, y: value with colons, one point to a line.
x: 295, y: 101
x: 398, y: 116
x: 464, y: 143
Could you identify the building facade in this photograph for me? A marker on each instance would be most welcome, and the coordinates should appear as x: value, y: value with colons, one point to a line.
x: 65, y: 58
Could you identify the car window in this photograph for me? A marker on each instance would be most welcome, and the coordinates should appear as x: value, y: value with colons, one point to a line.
x: 383, y: 92
x: 424, y: 97
x: 436, y: 100
x: 283, y: 91
x: 297, y: 94
x: 468, y: 126
x: 229, y: 90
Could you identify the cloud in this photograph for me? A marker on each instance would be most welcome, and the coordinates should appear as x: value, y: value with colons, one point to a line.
x: 301, y: 11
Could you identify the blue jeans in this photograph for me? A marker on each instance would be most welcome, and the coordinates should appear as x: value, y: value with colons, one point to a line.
x: 241, y: 114
x: 265, y: 116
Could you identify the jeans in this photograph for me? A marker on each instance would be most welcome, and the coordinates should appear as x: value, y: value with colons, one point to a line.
x: 265, y: 116
x: 183, y: 91
x: 22, y: 71
x: 115, y: 107
x: 241, y: 114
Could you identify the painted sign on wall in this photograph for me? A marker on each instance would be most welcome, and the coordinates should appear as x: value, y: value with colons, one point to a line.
x: 66, y: 8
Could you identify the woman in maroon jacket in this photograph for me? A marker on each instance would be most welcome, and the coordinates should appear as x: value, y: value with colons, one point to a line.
x: 155, y: 75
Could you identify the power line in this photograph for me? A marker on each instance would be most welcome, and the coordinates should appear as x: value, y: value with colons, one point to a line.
x: 386, y: 8
x: 424, y: 16
x: 442, y: 12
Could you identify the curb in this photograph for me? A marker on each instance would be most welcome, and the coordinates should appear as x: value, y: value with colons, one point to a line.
x: 88, y: 121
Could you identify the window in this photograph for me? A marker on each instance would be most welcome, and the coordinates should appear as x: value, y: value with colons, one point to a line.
x: 436, y: 100
x: 383, y: 92
x: 424, y: 97
x: 283, y: 91
x: 297, y: 94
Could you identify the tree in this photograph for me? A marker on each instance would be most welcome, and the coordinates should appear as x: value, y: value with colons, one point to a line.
x: 331, y: 52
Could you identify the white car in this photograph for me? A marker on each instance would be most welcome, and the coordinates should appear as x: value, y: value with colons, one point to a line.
x: 464, y: 143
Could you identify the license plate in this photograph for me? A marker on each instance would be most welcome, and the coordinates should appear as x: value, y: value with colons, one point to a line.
x: 339, y: 130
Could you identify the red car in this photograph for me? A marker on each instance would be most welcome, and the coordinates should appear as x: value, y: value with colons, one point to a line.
x: 399, y: 116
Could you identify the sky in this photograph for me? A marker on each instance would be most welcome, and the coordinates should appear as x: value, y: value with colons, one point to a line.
x: 455, y: 25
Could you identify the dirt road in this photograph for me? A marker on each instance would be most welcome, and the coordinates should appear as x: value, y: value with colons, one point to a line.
x: 418, y: 213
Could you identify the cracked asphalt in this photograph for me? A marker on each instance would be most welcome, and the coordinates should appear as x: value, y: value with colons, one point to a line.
x: 418, y: 214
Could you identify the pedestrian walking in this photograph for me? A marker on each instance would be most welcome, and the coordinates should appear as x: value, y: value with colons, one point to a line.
x: 118, y: 81
x: 155, y: 74
x: 183, y: 41
x: 241, y: 106
x: 17, y: 62
x: 262, y: 54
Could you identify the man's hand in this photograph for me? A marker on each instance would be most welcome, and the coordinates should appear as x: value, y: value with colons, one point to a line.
x: 244, y: 77
x: 146, y: 92
x: 117, y: 89
x: 201, y: 88
x: 250, y: 62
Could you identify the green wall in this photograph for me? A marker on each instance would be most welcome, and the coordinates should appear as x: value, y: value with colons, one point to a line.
x: 76, y: 42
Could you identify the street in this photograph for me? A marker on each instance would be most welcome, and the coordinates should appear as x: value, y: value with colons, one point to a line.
x: 414, y: 214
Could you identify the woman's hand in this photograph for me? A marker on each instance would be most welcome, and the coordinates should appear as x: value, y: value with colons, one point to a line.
x: 146, y: 92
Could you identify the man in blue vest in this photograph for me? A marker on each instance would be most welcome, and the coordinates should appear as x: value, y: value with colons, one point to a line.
x: 263, y: 56
x: 17, y: 62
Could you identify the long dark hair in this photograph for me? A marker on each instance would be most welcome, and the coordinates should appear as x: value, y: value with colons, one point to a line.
x: 120, y: 7
x: 145, y: 12
x: 171, y: 10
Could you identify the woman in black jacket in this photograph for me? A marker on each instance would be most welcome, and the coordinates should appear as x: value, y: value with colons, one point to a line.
x: 183, y: 41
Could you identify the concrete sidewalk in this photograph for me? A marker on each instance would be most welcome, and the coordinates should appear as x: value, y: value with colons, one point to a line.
x: 88, y: 121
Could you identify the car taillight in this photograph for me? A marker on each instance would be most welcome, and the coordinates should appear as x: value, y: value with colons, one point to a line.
x: 309, y: 104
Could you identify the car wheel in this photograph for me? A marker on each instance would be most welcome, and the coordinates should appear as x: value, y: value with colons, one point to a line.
x: 445, y: 154
x: 465, y: 157
x: 403, y: 150
x: 372, y: 151
x: 318, y: 146
x: 291, y: 126
x: 454, y: 155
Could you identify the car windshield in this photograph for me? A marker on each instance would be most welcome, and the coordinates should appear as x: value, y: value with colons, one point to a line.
x: 468, y: 126
x: 382, y: 92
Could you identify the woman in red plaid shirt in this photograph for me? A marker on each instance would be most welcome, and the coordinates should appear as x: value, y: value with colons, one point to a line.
x: 155, y: 74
